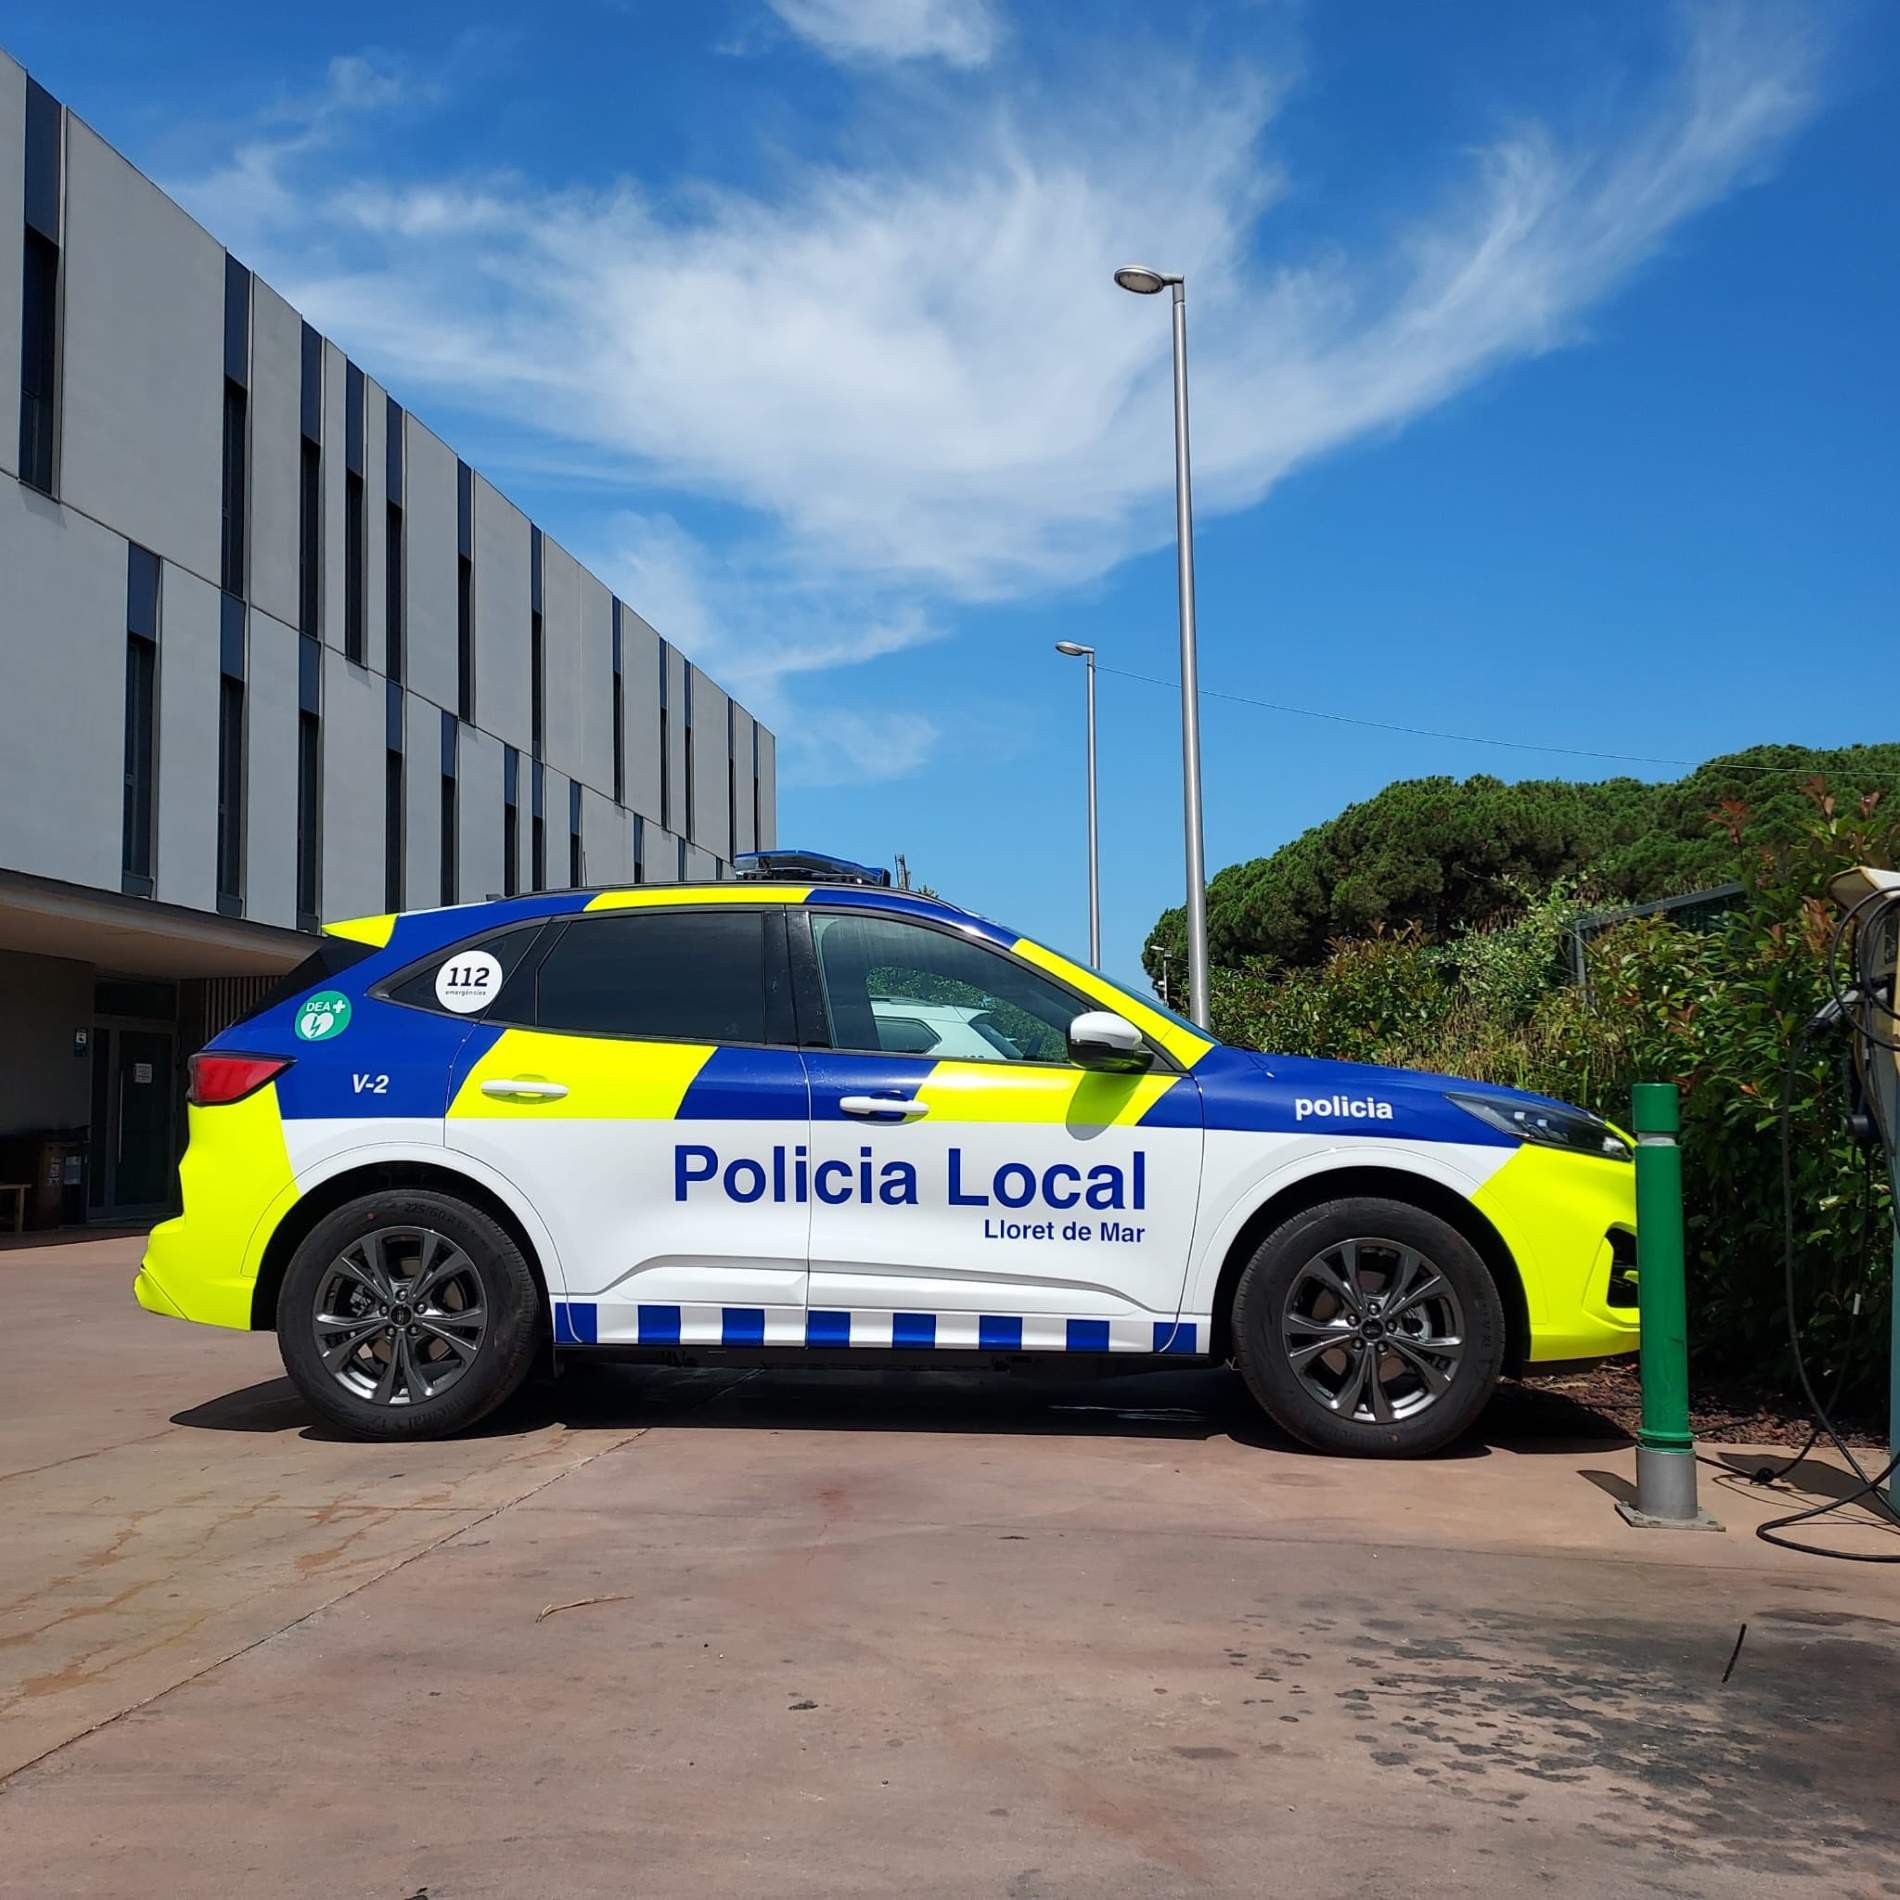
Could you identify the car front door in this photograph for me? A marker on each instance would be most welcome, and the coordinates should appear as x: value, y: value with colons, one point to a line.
x: 1010, y: 1199
x: 643, y: 1081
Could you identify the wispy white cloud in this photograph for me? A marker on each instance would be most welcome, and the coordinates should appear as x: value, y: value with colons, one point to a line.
x: 759, y: 628
x: 914, y: 375
x: 958, y: 32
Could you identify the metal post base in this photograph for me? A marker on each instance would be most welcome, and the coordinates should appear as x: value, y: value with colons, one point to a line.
x: 1665, y: 1494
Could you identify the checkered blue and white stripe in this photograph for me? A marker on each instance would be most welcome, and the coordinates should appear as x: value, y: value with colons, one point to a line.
x: 593, y: 1323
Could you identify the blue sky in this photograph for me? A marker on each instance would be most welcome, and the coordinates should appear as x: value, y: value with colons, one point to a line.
x: 1542, y: 358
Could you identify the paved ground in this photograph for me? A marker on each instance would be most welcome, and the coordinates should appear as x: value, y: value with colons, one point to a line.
x: 853, y: 1634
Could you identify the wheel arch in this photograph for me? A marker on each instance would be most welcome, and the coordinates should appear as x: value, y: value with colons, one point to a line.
x: 1395, y: 1184
x: 380, y: 1177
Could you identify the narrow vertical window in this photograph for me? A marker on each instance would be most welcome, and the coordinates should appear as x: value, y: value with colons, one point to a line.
x: 732, y: 788
x: 236, y: 432
x: 309, y: 817
x: 355, y: 525
x: 237, y: 375
x: 39, y: 285
x: 141, y: 719
x: 353, y: 577
x: 465, y: 592
x: 392, y: 831
x: 310, y: 492
x: 758, y: 836
x: 682, y: 860
x: 576, y: 858
x: 230, y: 792
x: 666, y: 752
x: 395, y: 813
x: 620, y: 718
x: 538, y: 835
x: 692, y: 829
x: 309, y: 784
x: 639, y: 849
x: 537, y: 649
x: 449, y: 826
x: 231, y: 756
x: 510, y: 821
x: 393, y: 538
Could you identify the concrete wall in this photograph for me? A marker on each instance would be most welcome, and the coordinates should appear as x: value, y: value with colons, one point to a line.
x: 561, y: 630
x: 276, y: 451
x: 140, y: 456
x: 62, y: 709
x: 270, y: 816
x: 593, y: 762
x: 353, y: 733
x: 430, y: 580
x: 480, y: 816
x: 12, y: 199
x: 503, y: 670
x: 712, y: 819
x: 640, y: 682
x: 42, y: 1083
x: 768, y: 791
x: 422, y: 791
x: 186, y: 868
x: 142, y: 410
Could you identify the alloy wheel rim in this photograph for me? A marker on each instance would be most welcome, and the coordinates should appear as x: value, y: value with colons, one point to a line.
x: 1373, y: 1330
x: 399, y: 1316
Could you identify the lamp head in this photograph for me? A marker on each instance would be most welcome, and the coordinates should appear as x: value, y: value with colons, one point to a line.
x: 1143, y: 281
x: 1074, y: 651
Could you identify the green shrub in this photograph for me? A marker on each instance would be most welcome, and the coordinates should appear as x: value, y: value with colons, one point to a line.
x: 1714, y: 1012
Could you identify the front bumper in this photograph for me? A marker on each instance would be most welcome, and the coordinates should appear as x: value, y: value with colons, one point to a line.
x: 1556, y: 1212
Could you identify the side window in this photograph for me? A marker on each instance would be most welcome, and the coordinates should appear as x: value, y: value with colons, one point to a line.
x: 681, y: 976
x: 884, y: 978
x: 465, y: 981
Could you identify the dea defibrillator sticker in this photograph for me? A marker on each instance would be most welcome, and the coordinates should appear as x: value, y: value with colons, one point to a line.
x: 322, y: 1016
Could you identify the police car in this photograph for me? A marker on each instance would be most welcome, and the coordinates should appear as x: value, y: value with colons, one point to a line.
x: 802, y: 1113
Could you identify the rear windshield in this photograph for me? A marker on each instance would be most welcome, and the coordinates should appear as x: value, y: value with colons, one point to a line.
x: 332, y: 956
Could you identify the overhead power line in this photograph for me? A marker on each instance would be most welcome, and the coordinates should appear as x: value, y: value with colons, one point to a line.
x: 1433, y: 732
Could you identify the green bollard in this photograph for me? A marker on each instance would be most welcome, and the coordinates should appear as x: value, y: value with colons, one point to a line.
x: 1665, y: 1446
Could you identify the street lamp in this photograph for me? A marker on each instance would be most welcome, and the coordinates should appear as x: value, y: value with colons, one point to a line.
x: 1146, y: 283
x: 1076, y: 652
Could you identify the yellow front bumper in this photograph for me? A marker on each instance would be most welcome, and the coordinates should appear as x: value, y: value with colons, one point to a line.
x: 1555, y: 1212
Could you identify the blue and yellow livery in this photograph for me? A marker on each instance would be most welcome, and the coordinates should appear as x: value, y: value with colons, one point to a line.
x: 801, y: 1111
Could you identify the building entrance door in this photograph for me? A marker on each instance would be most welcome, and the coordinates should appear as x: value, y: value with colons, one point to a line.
x: 133, y: 1109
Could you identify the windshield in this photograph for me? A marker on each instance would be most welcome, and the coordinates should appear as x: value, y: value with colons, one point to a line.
x: 1156, y: 1006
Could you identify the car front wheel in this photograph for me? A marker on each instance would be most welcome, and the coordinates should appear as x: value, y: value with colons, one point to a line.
x: 1369, y: 1326
x: 407, y: 1315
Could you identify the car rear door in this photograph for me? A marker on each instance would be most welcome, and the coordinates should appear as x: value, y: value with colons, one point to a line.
x: 1013, y: 1200
x: 644, y: 1076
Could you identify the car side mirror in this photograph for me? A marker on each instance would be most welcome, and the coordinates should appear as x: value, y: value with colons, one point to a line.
x: 1099, y: 1039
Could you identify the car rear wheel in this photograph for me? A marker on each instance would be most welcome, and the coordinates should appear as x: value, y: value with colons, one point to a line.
x: 1370, y: 1327
x: 407, y: 1315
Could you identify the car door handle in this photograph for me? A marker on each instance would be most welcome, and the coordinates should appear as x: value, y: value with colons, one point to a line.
x: 903, y: 1108
x: 532, y: 1088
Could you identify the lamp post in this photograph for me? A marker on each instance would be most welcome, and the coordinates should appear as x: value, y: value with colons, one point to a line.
x: 1076, y: 652
x: 1146, y: 283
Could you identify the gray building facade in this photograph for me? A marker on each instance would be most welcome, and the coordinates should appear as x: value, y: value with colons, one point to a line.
x: 270, y: 653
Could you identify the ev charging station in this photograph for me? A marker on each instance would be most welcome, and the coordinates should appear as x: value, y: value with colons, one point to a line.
x: 1869, y: 900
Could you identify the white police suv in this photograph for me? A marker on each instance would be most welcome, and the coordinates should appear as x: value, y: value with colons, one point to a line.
x: 805, y: 1111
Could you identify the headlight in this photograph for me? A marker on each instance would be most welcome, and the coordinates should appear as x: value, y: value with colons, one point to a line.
x: 1567, y: 1128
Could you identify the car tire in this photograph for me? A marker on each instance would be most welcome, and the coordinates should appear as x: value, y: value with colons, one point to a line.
x: 1369, y: 1327
x: 408, y: 1314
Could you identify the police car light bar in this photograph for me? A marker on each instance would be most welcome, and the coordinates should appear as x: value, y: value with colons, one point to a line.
x: 816, y: 867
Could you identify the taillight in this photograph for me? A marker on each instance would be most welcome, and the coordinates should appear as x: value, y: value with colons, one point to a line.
x: 216, y: 1080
